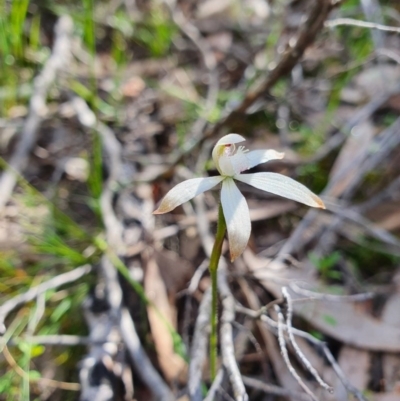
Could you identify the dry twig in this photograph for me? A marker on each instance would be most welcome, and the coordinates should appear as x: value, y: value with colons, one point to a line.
x: 215, y: 386
x: 198, y: 349
x: 329, y: 297
x: 42, y: 380
x: 114, y: 231
x: 271, y: 389
x: 227, y: 347
x: 387, y: 141
x: 37, y: 107
x: 361, y: 24
x: 274, y: 326
x: 296, y: 348
x: 285, y: 354
x: 33, y: 292
x: 56, y: 339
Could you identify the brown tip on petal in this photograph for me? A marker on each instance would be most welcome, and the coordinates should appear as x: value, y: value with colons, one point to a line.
x: 319, y: 202
x: 163, y: 208
x: 234, y: 256
x: 160, y: 211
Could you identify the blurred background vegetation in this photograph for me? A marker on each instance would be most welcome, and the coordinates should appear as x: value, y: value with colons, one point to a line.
x: 141, y: 76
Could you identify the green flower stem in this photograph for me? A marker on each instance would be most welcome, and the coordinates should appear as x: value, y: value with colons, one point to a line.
x: 214, y: 260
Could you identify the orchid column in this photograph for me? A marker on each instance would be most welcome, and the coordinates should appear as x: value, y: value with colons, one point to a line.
x: 233, y: 214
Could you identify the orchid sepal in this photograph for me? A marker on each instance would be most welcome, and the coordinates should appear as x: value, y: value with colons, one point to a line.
x: 281, y: 185
x: 186, y: 191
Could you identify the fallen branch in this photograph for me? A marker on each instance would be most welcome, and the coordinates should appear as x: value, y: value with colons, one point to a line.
x: 37, y: 107
x: 114, y: 234
x: 217, y: 383
x: 271, y: 389
x: 142, y: 363
x: 62, y: 340
x: 123, y: 319
x: 198, y: 351
x: 227, y: 346
x: 274, y: 326
x: 295, y: 346
x: 285, y: 354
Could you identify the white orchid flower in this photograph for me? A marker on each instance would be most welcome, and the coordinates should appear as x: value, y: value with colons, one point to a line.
x: 231, y: 162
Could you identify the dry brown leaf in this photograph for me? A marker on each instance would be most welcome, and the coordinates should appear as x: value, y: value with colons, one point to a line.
x: 391, y: 220
x: 386, y: 215
x: 175, y: 271
x: 394, y: 102
x: 172, y: 365
x: 377, y: 79
x: 325, y: 371
x: 355, y: 364
x: 133, y: 87
x: 284, y: 377
x: 345, y: 321
x: 351, y: 155
x: 180, y: 84
x: 393, y: 396
x: 211, y: 8
x: 149, y: 67
x: 220, y: 41
x: 391, y: 362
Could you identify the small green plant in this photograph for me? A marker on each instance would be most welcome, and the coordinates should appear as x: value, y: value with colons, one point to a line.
x: 312, y: 175
x: 330, y: 320
x: 12, y: 23
x: 326, y: 265
x: 156, y: 33
x: 15, y: 41
x: 311, y: 139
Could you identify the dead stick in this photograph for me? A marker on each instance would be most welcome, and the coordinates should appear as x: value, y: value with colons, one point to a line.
x: 33, y: 292
x: 37, y: 107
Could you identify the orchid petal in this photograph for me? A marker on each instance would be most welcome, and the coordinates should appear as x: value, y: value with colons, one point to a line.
x: 185, y: 191
x: 281, y: 185
x: 230, y: 139
x: 225, y: 166
x: 237, y: 217
x: 243, y: 160
x: 256, y: 157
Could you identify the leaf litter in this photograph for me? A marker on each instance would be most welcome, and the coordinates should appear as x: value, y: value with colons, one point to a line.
x: 335, y: 115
